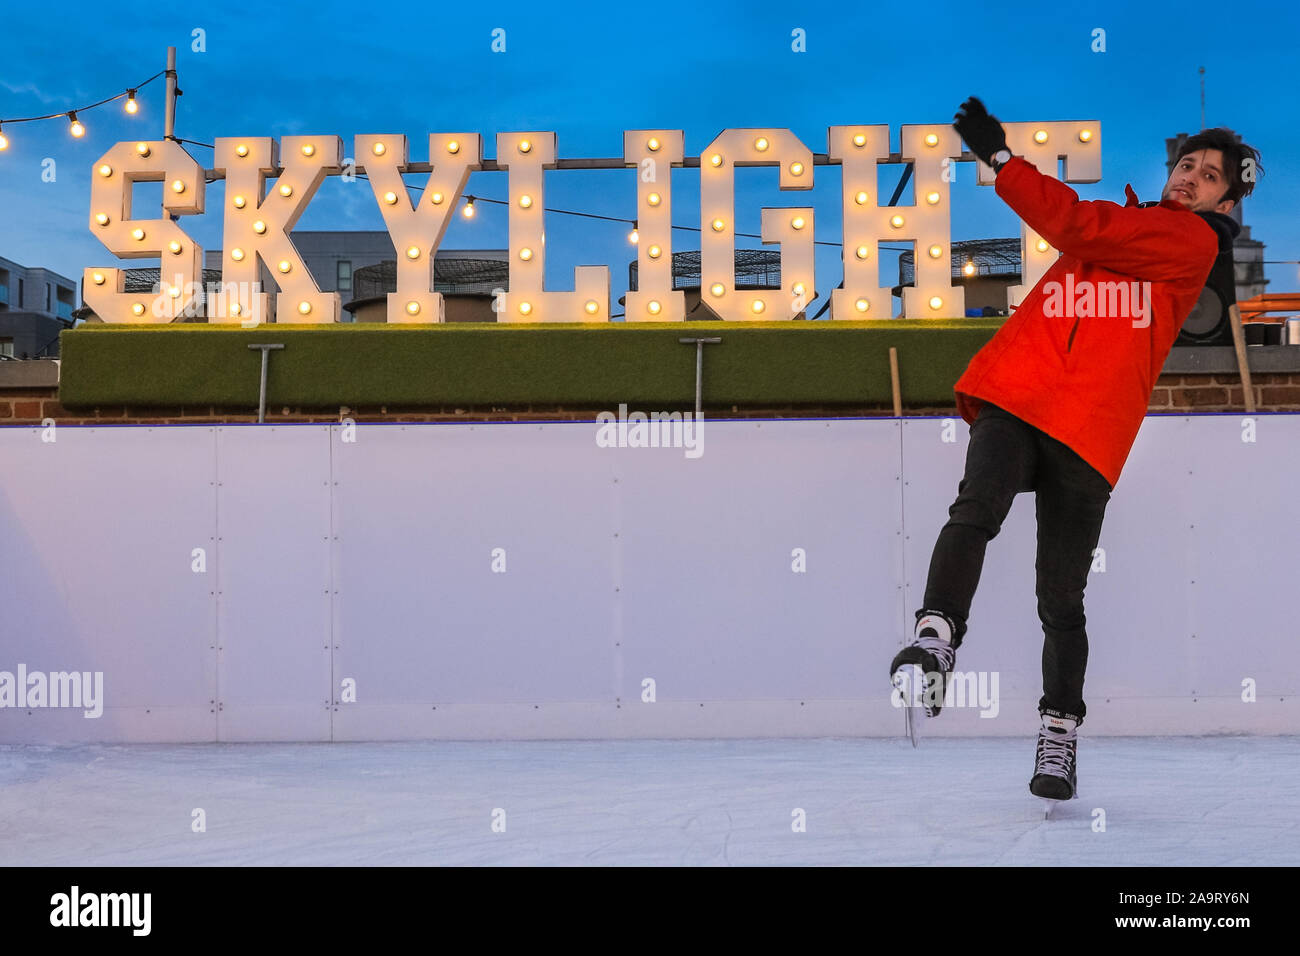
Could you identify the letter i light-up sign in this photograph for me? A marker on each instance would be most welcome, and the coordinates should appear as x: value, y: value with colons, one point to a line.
x: 268, y: 185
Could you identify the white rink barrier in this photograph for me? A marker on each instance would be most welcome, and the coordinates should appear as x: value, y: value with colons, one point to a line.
x: 478, y: 581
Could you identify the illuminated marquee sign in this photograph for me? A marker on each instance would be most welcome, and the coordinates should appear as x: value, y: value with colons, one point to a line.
x: 257, y: 222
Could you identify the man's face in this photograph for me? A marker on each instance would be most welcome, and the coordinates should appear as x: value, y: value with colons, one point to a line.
x: 1198, y: 181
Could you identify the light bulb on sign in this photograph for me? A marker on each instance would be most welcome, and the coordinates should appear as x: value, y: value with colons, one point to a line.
x: 861, y: 198
x: 896, y: 222
x: 936, y: 302
x: 285, y: 266
x: 413, y: 252
x: 241, y: 150
x: 859, y: 141
x: 862, y: 305
x: 1085, y: 135
x: 1042, y: 245
x: 932, y: 198
x: 525, y: 202
x: 106, y: 170
x: 178, y: 186
x: 653, y: 144
x: 717, y: 289
x: 931, y: 139
x: 1040, y: 136
x: 286, y: 190
x: 592, y: 307
x: 935, y: 252
x: 412, y: 308
x: 453, y: 147
x: 756, y: 306
x: 304, y: 308
x: 101, y: 218
x: 308, y: 150
x: 654, y: 307
x: 654, y: 199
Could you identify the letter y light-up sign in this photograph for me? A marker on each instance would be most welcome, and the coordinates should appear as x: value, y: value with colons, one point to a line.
x: 417, y: 227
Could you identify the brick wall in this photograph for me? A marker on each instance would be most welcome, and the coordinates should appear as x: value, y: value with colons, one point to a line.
x: 1278, y: 391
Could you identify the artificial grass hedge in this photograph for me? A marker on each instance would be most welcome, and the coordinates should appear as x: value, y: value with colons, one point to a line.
x: 764, y: 364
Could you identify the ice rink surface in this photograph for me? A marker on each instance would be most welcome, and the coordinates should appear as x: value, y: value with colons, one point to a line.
x: 1166, y: 801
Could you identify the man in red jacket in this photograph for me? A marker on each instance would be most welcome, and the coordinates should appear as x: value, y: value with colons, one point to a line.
x: 1056, y: 398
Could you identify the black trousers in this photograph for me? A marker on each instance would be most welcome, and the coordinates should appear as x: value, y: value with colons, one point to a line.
x: 1005, y: 457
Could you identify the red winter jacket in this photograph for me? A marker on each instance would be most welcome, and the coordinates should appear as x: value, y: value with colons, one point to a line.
x: 1059, y: 362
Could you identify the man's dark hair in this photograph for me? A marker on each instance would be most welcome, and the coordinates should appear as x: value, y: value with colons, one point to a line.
x: 1237, y: 158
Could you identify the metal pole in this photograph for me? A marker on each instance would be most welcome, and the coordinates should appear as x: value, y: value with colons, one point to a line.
x: 699, y: 369
x: 1202, y: 72
x: 261, y: 393
x: 169, y: 114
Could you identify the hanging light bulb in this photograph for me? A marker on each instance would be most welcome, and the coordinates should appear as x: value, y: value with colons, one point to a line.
x: 132, y: 106
x: 4, y: 141
x: 634, y: 236
x: 968, y: 268
x: 468, y: 211
x: 76, y: 127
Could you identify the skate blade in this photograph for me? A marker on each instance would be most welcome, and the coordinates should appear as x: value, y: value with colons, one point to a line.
x: 907, y: 685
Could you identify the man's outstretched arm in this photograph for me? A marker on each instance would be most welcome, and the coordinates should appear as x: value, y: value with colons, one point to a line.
x: 1151, y: 244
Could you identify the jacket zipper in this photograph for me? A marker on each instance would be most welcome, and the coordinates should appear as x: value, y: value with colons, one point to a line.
x: 1070, y: 344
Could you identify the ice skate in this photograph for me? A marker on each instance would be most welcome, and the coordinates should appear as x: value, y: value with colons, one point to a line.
x: 919, y: 671
x: 1055, y: 776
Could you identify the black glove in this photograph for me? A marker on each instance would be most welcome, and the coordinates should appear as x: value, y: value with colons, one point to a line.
x: 982, y: 132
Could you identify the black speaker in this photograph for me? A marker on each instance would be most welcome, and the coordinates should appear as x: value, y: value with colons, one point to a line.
x: 1207, y: 323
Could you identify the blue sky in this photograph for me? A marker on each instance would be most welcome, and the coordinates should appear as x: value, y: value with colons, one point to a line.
x: 591, y: 70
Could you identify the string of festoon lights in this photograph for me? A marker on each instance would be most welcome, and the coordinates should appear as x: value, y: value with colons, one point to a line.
x: 75, y: 126
x: 468, y: 212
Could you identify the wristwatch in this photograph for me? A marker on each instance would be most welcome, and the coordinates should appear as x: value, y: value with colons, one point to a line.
x: 1000, y: 159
